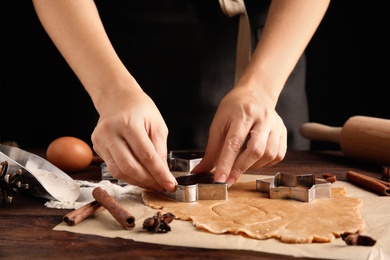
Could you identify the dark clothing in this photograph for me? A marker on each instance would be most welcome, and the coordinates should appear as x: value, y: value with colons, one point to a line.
x: 182, y: 53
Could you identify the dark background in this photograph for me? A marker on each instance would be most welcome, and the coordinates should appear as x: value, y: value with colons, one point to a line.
x: 41, y: 98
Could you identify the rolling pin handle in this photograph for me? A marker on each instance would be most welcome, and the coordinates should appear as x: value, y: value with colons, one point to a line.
x: 320, y: 132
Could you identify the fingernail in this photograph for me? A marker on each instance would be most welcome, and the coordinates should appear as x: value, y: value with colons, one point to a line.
x: 230, y: 181
x: 173, y: 187
x: 170, y: 186
x: 221, y: 178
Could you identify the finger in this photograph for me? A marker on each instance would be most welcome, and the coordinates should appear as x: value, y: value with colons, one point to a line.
x: 280, y: 154
x: 160, y: 146
x: 121, y: 161
x: 111, y: 165
x: 149, y: 158
x: 235, y: 139
x: 275, y: 150
x: 212, y: 152
x: 254, y: 152
x: 128, y: 169
x: 264, y: 148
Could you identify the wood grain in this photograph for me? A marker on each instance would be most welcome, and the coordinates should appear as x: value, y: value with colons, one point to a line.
x: 26, y: 225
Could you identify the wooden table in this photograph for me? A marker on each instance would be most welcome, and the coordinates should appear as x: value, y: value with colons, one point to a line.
x: 26, y: 224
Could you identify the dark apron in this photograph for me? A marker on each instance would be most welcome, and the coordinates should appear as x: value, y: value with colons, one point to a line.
x: 182, y: 53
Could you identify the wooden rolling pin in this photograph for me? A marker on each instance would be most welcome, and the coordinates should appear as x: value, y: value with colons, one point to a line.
x: 363, y: 138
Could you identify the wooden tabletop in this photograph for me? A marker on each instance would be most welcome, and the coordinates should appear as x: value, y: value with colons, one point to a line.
x: 26, y: 225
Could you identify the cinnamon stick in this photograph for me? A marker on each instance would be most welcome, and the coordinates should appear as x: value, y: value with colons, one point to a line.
x: 78, y: 215
x: 116, y: 210
x: 376, y: 185
x: 386, y: 173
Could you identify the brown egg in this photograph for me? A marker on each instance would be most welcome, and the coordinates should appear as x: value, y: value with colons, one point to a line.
x: 70, y: 154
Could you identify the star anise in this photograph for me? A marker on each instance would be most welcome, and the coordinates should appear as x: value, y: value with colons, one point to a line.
x: 159, y: 223
x: 329, y: 177
x: 356, y: 239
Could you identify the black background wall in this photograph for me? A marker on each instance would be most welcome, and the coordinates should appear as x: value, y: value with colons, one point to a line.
x: 347, y: 64
x: 41, y: 99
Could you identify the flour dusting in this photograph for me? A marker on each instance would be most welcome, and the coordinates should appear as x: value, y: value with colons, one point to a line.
x: 86, y: 189
x: 61, y: 189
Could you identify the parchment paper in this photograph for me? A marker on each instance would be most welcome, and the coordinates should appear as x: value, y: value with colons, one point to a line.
x: 375, y: 211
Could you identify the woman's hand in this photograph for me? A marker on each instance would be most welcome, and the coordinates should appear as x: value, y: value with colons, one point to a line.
x: 246, y: 133
x: 131, y: 137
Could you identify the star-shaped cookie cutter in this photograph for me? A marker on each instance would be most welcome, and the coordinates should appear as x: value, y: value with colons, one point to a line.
x: 304, y: 187
x: 184, y: 160
x: 201, y: 186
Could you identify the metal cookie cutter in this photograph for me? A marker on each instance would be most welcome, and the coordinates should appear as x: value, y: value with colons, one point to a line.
x: 201, y: 186
x: 178, y: 161
x: 184, y: 160
x: 303, y: 187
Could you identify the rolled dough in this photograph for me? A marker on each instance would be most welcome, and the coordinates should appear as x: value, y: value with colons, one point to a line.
x: 252, y: 214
